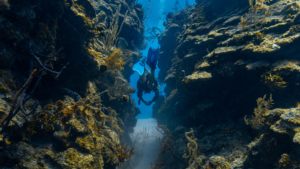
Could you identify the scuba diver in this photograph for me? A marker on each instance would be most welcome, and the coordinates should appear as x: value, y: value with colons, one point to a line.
x: 147, y: 83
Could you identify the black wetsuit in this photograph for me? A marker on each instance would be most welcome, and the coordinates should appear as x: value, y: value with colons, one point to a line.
x: 144, y: 88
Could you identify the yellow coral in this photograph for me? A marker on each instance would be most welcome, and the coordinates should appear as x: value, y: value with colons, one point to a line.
x: 273, y: 81
x: 192, y: 147
x: 186, y: 80
x: 295, y: 28
x: 115, y: 61
x: 243, y: 23
x: 71, y: 158
x: 285, y: 160
x: 97, y: 56
x: 203, y: 64
x: 218, y: 162
x: 259, y: 35
x: 47, y: 121
x: 286, y: 64
x: 7, y: 142
x: 113, y: 120
x: 251, y: 2
x: 29, y: 131
x: 203, y: 75
x: 86, y: 142
x: 80, y: 11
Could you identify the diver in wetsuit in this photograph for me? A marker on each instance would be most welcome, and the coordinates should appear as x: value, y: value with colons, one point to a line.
x: 147, y: 83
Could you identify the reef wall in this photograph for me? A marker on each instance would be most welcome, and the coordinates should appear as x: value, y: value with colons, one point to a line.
x: 217, y: 58
x: 65, y: 100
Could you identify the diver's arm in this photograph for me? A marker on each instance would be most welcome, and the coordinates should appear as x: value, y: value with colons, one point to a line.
x: 140, y: 95
x: 155, y: 97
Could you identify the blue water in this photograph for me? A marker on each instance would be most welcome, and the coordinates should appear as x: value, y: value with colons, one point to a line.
x: 156, y: 11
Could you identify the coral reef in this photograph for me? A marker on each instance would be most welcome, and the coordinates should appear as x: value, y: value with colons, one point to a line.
x: 231, y: 53
x: 65, y: 99
x: 70, y: 125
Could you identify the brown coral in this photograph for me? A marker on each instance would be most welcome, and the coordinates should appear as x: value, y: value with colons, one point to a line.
x: 67, y: 111
x: 13, y: 105
x: 262, y: 109
x: 165, y: 155
x: 124, y: 152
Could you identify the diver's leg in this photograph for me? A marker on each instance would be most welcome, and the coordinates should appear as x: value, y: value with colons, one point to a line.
x: 150, y: 83
x: 152, y: 61
x: 143, y: 77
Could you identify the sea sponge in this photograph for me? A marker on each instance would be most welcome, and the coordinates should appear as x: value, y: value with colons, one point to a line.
x: 125, y: 98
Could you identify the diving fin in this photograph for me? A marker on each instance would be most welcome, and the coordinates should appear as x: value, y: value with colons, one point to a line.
x: 139, y: 67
